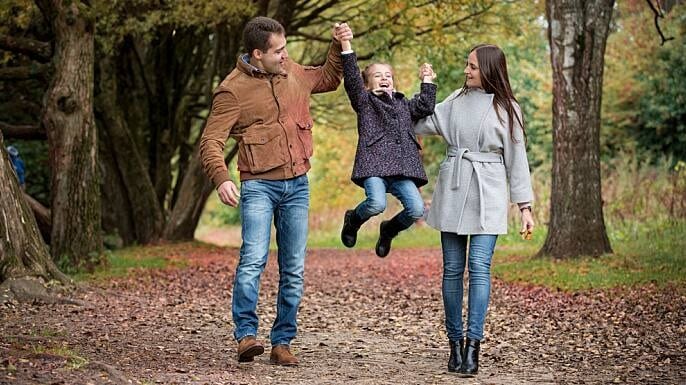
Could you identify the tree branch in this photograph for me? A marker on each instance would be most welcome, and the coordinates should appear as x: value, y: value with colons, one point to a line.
x: 307, y: 19
x: 34, y: 49
x: 27, y: 131
x: 24, y: 72
x: 658, y: 14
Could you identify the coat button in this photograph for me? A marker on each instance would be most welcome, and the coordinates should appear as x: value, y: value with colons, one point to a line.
x: 397, y: 141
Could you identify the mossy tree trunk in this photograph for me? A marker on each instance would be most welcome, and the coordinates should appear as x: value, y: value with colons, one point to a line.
x: 23, y: 254
x: 68, y: 119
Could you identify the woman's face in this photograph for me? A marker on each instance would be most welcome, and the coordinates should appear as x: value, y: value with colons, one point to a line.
x: 471, y: 71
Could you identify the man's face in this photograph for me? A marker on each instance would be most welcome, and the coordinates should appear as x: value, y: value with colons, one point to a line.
x: 380, y: 78
x: 273, y: 60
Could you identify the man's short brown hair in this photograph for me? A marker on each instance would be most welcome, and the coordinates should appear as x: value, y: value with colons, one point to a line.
x: 257, y: 31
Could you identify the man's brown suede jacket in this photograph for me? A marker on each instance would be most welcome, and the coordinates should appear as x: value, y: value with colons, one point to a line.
x: 269, y: 116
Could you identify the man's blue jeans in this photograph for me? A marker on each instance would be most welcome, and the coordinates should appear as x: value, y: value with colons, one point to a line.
x: 402, y: 188
x: 481, y: 249
x: 287, y: 202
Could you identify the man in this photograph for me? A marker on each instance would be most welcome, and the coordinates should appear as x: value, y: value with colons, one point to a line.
x: 264, y: 104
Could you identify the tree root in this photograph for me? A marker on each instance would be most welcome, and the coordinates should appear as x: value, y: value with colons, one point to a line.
x: 30, y: 290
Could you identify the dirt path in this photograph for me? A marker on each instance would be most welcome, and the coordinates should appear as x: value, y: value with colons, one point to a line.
x: 363, y: 320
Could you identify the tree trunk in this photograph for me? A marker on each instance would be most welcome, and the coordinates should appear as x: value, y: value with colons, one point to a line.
x: 577, y: 32
x: 22, y: 250
x: 117, y: 214
x: 126, y: 166
x: 68, y: 119
x: 193, y: 194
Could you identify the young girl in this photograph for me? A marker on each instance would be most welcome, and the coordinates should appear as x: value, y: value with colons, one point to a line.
x: 387, y: 158
x: 482, y: 125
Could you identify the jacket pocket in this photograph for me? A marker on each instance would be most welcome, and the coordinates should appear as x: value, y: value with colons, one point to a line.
x: 371, y: 140
x: 305, y: 136
x: 264, y: 149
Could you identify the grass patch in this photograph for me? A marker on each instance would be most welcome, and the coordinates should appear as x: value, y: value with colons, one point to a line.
x: 123, y: 262
x: 643, y: 253
x: 74, y: 361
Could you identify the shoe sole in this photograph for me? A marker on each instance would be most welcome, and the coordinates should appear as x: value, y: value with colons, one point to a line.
x: 250, y: 353
x: 348, y: 244
x: 273, y: 362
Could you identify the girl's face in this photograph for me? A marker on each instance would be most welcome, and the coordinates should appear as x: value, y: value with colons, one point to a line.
x: 471, y: 71
x: 380, y: 77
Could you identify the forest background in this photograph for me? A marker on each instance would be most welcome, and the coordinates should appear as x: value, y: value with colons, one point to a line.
x: 643, y: 134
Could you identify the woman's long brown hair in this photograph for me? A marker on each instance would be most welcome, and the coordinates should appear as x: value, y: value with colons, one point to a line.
x: 494, y: 80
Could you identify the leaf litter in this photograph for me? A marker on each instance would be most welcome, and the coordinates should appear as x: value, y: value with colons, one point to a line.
x: 363, y: 320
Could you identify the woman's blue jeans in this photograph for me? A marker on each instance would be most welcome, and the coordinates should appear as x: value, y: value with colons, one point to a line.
x: 287, y: 203
x: 481, y: 249
x: 404, y: 189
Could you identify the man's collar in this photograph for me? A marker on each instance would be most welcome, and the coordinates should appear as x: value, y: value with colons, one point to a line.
x: 252, y: 70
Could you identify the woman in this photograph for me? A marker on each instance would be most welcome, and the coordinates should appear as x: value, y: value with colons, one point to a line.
x: 483, y: 127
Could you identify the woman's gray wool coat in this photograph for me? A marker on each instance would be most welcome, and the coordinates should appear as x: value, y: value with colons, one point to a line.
x: 471, y: 194
x: 387, y: 145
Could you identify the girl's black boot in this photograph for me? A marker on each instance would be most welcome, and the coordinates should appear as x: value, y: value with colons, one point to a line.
x: 470, y: 359
x: 456, y: 350
x: 351, y: 223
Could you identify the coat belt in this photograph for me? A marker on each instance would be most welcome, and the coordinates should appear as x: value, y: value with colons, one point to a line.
x: 460, y: 153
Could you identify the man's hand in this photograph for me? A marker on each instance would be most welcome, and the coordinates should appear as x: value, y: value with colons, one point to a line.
x: 426, y: 73
x: 228, y: 193
x: 342, y: 32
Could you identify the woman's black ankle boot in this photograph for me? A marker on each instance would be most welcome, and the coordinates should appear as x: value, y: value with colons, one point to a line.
x: 456, y: 350
x: 470, y: 359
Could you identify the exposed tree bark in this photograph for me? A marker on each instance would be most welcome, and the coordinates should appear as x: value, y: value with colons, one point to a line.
x: 72, y: 137
x: 23, y: 254
x: 577, y: 33
x: 26, y: 131
x: 34, y: 49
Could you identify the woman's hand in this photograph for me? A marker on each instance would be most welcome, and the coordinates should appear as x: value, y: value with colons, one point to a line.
x: 527, y: 223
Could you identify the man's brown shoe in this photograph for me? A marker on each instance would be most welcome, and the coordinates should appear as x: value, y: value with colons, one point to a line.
x: 281, y: 355
x: 248, y: 348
